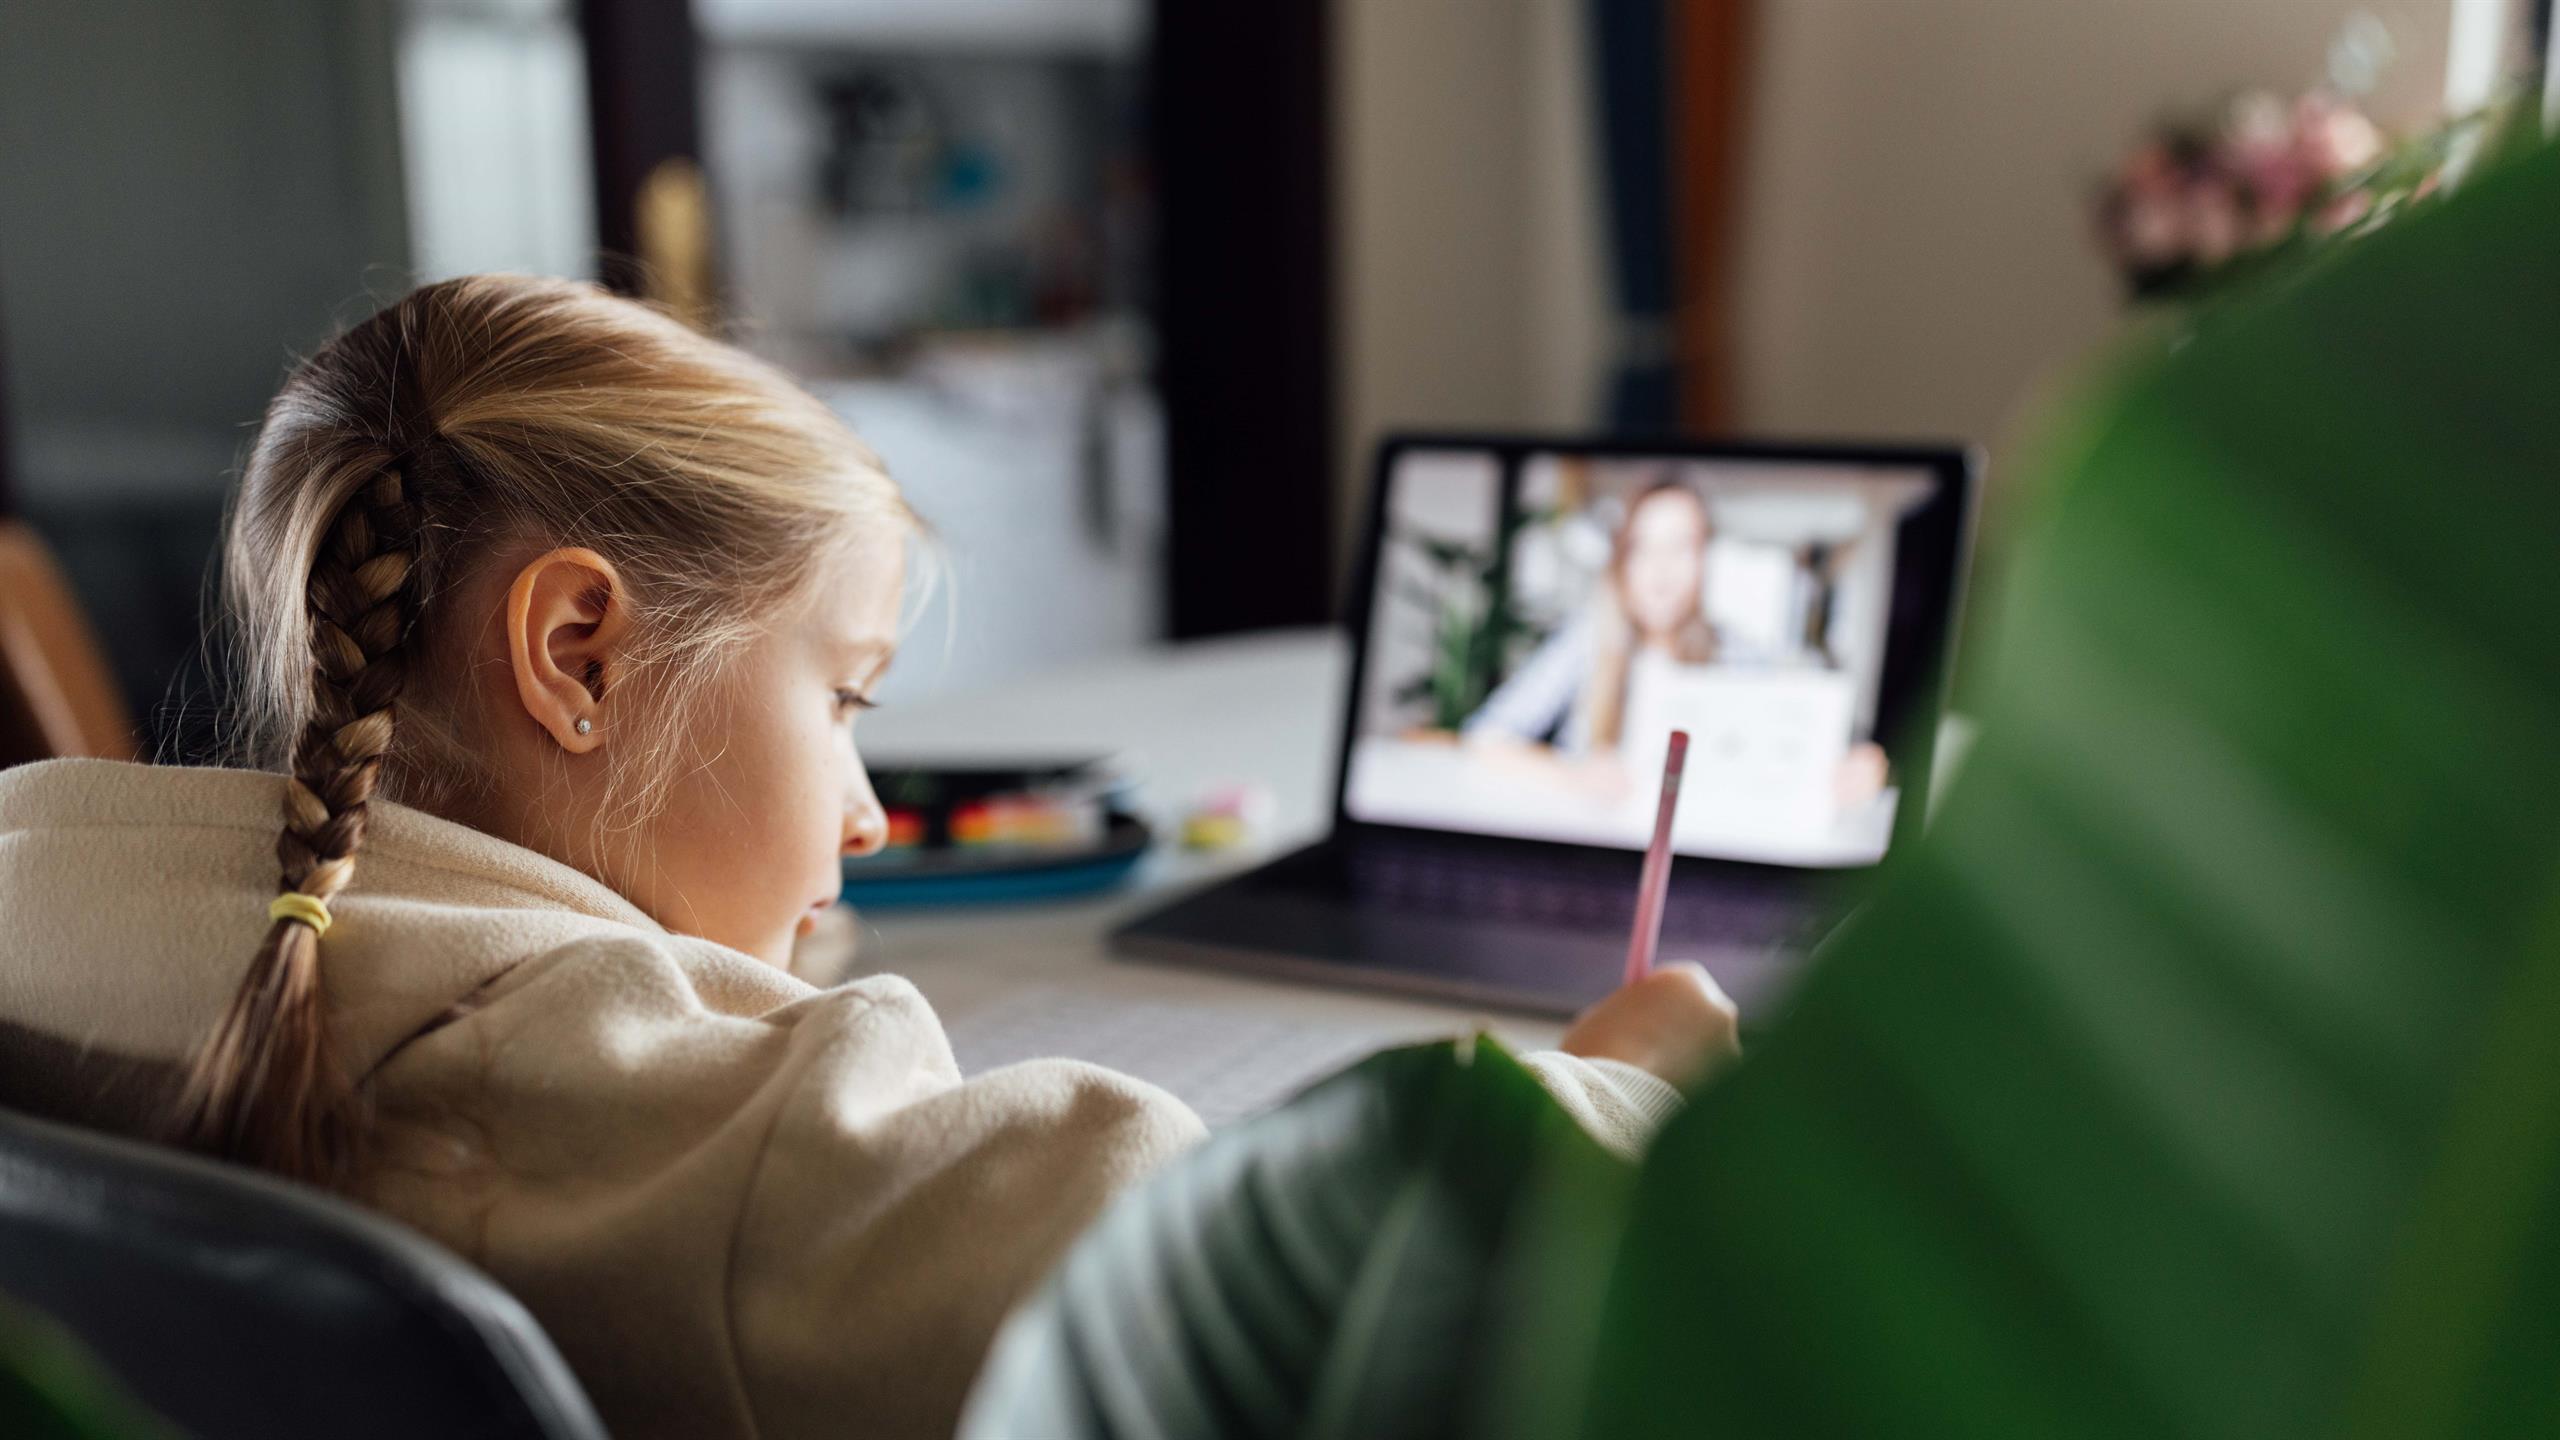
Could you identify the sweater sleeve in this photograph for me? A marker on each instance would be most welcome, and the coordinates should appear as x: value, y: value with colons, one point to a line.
x: 745, y: 1207
x: 1621, y: 1105
x: 886, y: 1235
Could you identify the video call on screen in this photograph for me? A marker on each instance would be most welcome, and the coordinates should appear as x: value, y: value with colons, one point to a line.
x: 1541, y: 623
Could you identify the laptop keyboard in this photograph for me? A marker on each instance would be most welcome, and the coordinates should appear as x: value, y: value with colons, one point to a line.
x: 1569, y: 892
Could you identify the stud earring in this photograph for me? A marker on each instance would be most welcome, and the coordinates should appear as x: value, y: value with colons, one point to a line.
x: 585, y: 725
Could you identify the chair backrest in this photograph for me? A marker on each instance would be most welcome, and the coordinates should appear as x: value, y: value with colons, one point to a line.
x: 234, y: 1303
x: 57, y: 696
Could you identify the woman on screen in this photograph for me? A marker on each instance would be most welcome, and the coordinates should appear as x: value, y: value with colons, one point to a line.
x: 1598, y: 685
x: 1565, y: 711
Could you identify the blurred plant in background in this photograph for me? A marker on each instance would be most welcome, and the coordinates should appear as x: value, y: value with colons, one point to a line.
x: 2259, y: 182
x: 1474, y: 624
x: 2255, y: 175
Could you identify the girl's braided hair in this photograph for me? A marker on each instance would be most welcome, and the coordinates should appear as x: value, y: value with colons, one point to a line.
x: 468, y: 421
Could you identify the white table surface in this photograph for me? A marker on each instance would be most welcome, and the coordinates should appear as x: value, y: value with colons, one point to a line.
x: 1186, y: 718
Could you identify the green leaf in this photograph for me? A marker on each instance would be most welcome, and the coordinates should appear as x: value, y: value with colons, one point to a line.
x: 52, y: 1388
x: 2199, y: 1075
x: 1325, y: 1269
x: 1450, y: 554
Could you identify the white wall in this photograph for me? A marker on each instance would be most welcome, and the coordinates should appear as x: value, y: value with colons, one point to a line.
x: 190, y: 195
x: 1467, y: 214
x: 1916, y: 254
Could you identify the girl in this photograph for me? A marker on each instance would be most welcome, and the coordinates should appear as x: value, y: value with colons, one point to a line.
x: 556, y: 617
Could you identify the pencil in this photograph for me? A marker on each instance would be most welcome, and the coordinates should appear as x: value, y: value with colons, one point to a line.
x: 1656, y: 883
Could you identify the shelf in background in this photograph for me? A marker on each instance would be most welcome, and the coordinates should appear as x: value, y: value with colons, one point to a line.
x: 1101, y: 27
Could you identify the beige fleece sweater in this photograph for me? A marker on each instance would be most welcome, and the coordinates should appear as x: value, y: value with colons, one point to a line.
x: 742, y: 1205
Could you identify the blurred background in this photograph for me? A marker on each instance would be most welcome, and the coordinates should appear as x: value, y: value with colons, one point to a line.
x: 1124, y: 290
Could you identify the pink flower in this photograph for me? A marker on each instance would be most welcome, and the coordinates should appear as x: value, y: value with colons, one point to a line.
x: 2342, y: 212
x: 2336, y: 140
x: 2152, y: 228
x: 2150, y: 167
x: 2272, y: 171
x: 2259, y: 120
x: 2214, y: 220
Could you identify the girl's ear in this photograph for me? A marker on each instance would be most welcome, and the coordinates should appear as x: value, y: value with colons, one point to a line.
x: 568, y: 617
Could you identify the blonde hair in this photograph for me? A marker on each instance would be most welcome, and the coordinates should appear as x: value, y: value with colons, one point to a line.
x: 1603, y: 698
x: 468, y: 420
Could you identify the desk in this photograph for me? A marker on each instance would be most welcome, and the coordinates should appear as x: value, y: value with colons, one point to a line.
x: 1185, y: 718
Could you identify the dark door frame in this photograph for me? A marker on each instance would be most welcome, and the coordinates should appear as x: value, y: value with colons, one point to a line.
x: 643, y: 110
x: 1244, y: 311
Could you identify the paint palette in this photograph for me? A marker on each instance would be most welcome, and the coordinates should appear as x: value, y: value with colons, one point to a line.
x: 969, y: 835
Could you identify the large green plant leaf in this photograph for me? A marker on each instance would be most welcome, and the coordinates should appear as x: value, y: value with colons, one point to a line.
x: 1327, y: 1269
x: 52, y: 1388
x: 2201, y: 1075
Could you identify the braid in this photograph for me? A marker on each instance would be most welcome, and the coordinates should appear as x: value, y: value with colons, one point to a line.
x: 359, y: 614
x: 265, y: 1088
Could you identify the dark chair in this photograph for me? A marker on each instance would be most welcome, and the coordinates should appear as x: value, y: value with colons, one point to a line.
x: 237, y: 1304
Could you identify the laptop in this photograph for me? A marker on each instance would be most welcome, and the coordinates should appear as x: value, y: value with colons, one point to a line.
x: 1532, y: 618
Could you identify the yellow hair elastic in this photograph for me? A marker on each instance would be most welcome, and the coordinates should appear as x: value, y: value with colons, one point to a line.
x: 311, y: 910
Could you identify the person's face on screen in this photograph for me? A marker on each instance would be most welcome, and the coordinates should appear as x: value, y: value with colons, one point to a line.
x: 1662, y: 578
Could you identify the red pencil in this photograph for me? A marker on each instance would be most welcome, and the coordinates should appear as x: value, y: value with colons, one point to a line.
x: 1656, y: 883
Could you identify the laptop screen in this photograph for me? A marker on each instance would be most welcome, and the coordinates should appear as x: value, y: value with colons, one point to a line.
x: 1542, y: 620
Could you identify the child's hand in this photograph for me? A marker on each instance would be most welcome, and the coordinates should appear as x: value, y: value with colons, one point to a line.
x: 1675, y: 1022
